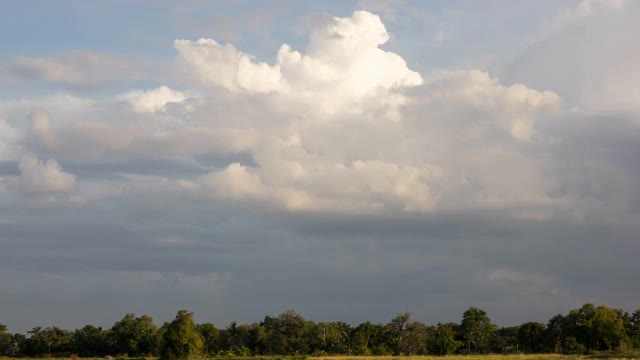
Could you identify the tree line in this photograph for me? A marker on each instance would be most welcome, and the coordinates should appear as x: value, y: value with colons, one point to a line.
x: 581, y: 331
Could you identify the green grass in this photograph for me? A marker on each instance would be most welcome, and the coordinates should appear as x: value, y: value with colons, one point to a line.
x: 609, y: 356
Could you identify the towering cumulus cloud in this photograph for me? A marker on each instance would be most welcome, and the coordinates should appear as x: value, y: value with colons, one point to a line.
x: 361, y: 132
x: 343, y: 65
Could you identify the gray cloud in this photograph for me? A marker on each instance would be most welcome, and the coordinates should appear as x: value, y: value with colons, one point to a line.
x: 83, y: 70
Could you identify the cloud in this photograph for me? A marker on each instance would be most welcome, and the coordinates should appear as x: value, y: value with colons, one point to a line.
x: 8, y: 137
x: 387, y: 145
x: 361, y: 187
x: 37, y: 177
x: 491, y: 104
x: 529, y: 288
x: 81, y: 69
x: 336, y: 74
x: 42, y: 129
x: 573, y: 16
x: 588, y: 55
x: 100, y: 136
x: 154, y: 100
x: 38, y: 68
x: 335, y: 158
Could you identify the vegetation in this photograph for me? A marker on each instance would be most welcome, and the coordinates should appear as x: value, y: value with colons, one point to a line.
x: 588, y: 330
x: 180, y: 339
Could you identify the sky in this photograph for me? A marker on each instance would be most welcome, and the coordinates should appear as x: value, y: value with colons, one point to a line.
x: 347, y: 159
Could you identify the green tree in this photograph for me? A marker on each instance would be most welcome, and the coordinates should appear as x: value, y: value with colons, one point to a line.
x: 442, y: 340
x: 257, y: 338
x: 6, y: 341
x: 285, y: 333
x: 397, y: 330
x: 633, y: 329
x: 313, y: 340
x: 210, y: 338
x: 134, y: 336
x: 235, y: 339
x: 90, y: 341
x: 556, y: 334
x: 477, y: 330
x: 19, y: 345
x: 406, y: 336
x: 181, y: 338
x: 335, y: 337
x: 596, y: 328
x: 579, y: 325
x: 363, y: 338
x: 531, y: 337
x: 505, y: 340
x: 606, y: 328
x: 49, y: 341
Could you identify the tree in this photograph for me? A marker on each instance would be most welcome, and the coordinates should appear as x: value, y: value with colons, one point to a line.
x: 90, y: 341
x: 210, y: 338
x: 333, y: 337
x: 477, y: 330
x: 556, y: 333
x: 531, y: 337
x: 18, y: 345
x: 579, y: 325
x: 443, y: 339
x: 397, y: 329
x: 6, y: 341
x: 181, y: 338
x: 257, y: 338
x: 49, y: 341
x: 134, y: 336
x: 596, y: 328
x: 285, y: 333
x: 505, y: 340
x: 369, y: 339
x: 235, y: 339
x: 606, y: 328
x: 634, y: 328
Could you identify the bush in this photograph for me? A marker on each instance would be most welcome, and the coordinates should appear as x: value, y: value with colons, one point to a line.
x: 381, y: 350
x: 573, y: 347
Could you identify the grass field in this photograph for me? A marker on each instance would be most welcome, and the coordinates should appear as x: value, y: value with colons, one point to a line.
x: 478, y: 357
x: 612, y: 356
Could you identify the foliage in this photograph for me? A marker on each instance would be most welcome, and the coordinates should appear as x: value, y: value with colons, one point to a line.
x: 48, y: 341
x: 181, y: 339
x: 6, y: 341
x: 407, y: 337
x: 531, y: 337
x: 477, y: 330
x: 134, y: 336
x: 443, y: 339
x: 90, y: 341
x: 210, y: 338
x: 588, y: 329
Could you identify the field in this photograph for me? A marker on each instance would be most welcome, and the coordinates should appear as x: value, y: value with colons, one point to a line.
x: 451, y: 357
x: 483, y: 357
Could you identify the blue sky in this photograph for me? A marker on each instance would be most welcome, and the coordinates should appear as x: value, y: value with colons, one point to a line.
x: 322, y: 156
x: 471, y: 29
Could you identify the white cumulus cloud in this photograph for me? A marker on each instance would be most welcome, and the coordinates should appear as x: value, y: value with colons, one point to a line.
x: 341, y: 67
x: 314, y: 133
x: 154, y: 100
x: 44, y: 177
